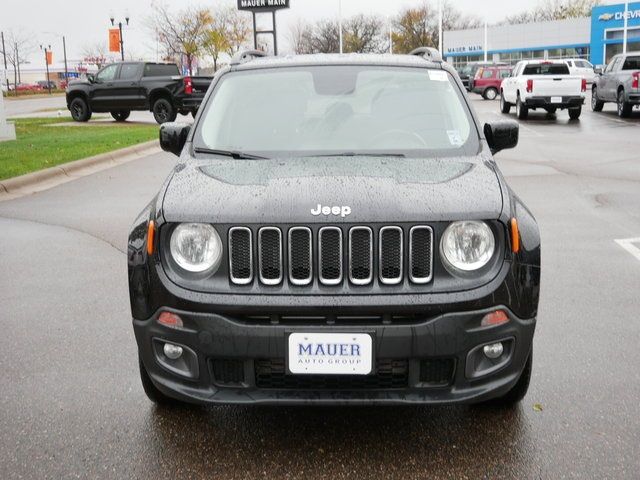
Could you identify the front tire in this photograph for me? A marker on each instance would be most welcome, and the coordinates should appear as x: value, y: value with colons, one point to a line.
x: 624, y: 108
x: 490, y: 94
x: 596, y: 105
x: 521, y: 109
x: 163, y: 111
x: 574, y: 113
x: 121, y: 115
x: 153, y: 394
x: 505, y: 107
x: 80, y: 110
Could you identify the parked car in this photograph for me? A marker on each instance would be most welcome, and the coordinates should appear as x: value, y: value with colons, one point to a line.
x: 620, y: 83
x: 266, y: 271
x: 28, y: 87
x: 44, y: 85
x: 119, y: 88
x: 468, y: 72
x: 488, y: 81
x: 582, y: 68
x: 544, y: 84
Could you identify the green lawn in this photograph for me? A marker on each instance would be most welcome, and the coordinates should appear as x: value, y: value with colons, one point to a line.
x: 40, y: 145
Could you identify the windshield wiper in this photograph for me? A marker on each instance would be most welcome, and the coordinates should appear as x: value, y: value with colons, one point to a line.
x: 355, y: 154
x: 230, y: 153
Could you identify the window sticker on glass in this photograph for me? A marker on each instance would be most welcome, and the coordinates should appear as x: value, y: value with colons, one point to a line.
x: 455, y: 138
x: 438, y: 76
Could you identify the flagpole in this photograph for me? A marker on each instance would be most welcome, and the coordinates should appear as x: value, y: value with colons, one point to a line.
x: 626, y: 22
x: 340, y: 22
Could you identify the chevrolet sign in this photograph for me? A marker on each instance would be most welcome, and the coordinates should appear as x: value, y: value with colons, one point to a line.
x: 262, y: 5
x: 631, y: 15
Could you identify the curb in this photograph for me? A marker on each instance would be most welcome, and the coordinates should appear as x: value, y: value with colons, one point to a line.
x: 50, y: 177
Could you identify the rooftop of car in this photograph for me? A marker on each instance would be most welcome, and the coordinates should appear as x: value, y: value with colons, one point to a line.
x: 338, y: 59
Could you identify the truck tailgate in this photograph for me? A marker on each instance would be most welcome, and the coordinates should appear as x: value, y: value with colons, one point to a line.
x: 556, y: 85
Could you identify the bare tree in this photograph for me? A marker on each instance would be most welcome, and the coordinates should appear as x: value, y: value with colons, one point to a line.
x: 18, y: 46
x: 300, y: 37
x: 365, y: 34
x: 95, y: 54
x: 554, y: 10
x: 180, y: 34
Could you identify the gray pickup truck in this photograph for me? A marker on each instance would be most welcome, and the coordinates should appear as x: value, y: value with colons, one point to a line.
x: 620, y: 83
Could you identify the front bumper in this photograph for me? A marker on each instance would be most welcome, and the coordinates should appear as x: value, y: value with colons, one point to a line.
x: 545, y: 102
x: 224, y: 344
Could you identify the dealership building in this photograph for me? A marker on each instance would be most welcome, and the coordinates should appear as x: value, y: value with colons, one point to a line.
x: 596, y: 38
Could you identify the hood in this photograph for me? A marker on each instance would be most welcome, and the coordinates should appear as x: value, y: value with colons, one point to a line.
x: 285, y: 191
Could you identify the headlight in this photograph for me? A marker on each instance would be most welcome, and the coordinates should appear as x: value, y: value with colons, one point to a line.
x: 468, y: 245
x: 196, y: 247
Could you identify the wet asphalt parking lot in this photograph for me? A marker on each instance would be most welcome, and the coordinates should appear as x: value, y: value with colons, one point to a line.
x: 71, y: 404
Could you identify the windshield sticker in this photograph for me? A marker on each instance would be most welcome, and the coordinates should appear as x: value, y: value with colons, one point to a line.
x: 454, y: 138
x: 438, y: 76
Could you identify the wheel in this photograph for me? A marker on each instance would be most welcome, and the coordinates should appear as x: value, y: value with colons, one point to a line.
x: 596, y: 105
x: 120, y: 115
x: 163, y: 111
x: 521, y: 110
x: 551, y: 110
x: 574, y: 113
x: 490, y: 94
x: 519, y: 390
x: 505, y: 107
x: 624, y: 108
x: 80, y: 111
x: 153, y: 394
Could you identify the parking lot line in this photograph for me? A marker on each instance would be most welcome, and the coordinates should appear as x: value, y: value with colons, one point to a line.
x: 629, y: 245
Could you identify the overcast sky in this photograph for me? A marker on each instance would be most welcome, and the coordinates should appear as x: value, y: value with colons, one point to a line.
x: 86, y: 21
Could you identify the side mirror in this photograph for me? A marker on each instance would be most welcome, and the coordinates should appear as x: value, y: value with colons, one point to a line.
x: 173, y: 136
x: 501, y: 135
x: 598, y: 70
x: 91, y: 78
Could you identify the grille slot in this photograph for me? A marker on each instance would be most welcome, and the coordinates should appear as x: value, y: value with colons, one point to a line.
x: 270, y: 255
x: 227, y: 371
x: 390, y: 255
x: 437, y: 372
x: 240, y: 255
x: 421, y: 254
x: 360, y: 255
x: 330, y: 256
x: 389, y: 373
x: 300, y: 256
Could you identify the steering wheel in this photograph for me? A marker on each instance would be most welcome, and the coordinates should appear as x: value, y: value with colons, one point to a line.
x: 414, y: 139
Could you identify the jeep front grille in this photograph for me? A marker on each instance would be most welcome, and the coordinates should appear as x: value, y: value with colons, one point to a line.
x: 322, y: 256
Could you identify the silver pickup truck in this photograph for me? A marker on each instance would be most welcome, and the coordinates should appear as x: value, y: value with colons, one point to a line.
x: 620, y: 83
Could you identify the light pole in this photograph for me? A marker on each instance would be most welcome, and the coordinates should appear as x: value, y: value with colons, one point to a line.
x: 626, y: 22
x: 47, y: 50
x: 113, y: 24
x: 440, y: 5
x: 340, y: 22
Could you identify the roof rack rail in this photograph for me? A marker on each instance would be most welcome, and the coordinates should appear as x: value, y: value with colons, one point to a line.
x: 428, y: 53
x: 247, y: 55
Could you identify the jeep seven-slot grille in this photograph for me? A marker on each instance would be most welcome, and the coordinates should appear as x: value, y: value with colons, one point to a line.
x: 331, y: 255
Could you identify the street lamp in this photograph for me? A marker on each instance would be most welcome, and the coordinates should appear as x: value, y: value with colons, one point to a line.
x: 113, y: 23
x: 47, y: 50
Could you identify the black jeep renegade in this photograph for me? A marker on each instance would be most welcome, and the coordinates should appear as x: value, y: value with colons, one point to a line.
x: 336, y: 231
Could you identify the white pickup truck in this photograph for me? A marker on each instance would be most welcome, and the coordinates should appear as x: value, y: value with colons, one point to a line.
x: 545, y: 84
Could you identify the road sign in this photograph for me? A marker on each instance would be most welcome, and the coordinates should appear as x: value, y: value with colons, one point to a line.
x: 262, y: 5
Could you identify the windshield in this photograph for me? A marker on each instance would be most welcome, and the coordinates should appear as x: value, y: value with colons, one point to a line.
x: 337, y: 110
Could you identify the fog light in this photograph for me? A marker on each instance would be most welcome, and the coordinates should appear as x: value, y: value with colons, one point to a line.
x: 492, y: 351
x: 174, y: 352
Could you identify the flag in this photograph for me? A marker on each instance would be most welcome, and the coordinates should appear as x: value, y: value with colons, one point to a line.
x: 114, y: 40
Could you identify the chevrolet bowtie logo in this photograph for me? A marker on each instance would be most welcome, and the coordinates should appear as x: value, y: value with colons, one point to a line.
x: 605, y: 17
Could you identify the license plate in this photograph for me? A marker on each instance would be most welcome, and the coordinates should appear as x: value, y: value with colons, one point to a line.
x: 330, y: 353
x: 556, y: 99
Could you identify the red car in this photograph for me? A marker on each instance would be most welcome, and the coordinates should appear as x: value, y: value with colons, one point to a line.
x: 27, y: 87
x: 488, y: 80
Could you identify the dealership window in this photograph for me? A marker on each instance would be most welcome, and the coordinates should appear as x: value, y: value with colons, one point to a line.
x: 578, y: 52
x: 459, y: 62
x: 611, y: 50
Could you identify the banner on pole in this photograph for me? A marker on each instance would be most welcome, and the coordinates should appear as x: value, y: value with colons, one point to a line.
x: 49, y: 57
x: 114, y: 40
